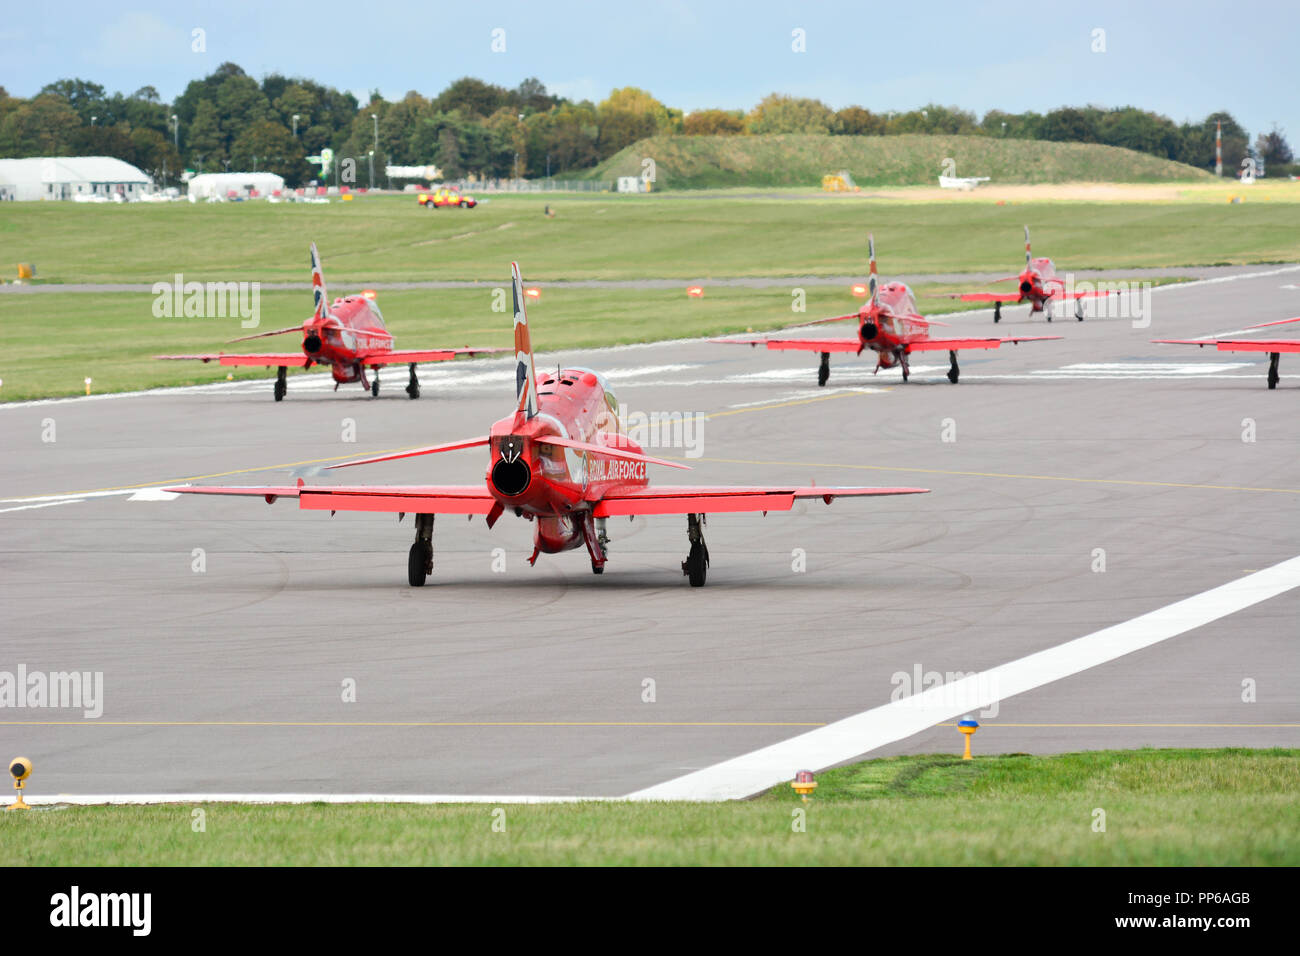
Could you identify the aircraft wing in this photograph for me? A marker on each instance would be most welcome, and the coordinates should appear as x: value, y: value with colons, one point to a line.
x: 422, y: 355
x: 807, y: 345
x: 291, y: 359
x: 407, y: 499
x: 952, y: 345
x: 1240, y: 345
x: 984, y: 296
x: 715, y: 499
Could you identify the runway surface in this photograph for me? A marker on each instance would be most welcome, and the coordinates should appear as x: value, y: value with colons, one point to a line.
x: 1087, y: 481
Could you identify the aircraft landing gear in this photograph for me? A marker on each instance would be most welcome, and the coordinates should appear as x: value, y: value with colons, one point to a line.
x: 419, y: 563
x: 997, y: 312
x: 953, y: 371
x: 281, y: 383
x: 696, y: 565
x: 1078, y: 309
x: 824, y: 370
x: 593, y: 533
x: 1047, y: 309
x: 374, y: 386
x: 1272, y: 368
x: 902, y: 363
x: 413, y: 387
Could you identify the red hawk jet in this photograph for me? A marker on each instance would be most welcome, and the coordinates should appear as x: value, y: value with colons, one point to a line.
x: 349, y: 336
x: 559, y: 460
x: 1039, y: 286
x: 890, y: 326
x: 1274, y: 347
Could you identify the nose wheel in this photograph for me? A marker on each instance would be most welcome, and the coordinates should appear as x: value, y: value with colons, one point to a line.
x: 953, y: 371
x: 374, y: 386
x: 413, y: 386
x: 997, y: 311
x: 824, y: 370
x: 1273, y: 377
x: 281, y: 383
x: 696, y: 565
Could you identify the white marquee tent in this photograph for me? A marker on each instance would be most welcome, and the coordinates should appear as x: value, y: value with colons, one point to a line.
x: 205, y: 185
x: 68, y: 177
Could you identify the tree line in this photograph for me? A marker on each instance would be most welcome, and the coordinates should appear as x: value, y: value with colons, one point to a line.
x: 228, y: 120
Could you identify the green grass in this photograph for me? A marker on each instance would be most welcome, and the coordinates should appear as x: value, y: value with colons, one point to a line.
x: 377, y: 239
x: 697, y: 162
x: 54, y: 340
x: 1162, y: 808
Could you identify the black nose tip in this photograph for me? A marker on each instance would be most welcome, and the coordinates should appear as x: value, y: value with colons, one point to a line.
x: 311, y: 343
x: 1026, y: 286
x: 868, y: 331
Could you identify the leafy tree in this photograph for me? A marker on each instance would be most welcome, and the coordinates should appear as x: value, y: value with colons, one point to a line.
x: 1069, y: 124
x: 207, y: 146
x: 88, y: 99
x: 778, y: 113
x: 856, y: 121
x: 42, y: 126
x: 471, y: 97
x: 1273, y: 148
x: 268, y: 146
x: 714, y: 123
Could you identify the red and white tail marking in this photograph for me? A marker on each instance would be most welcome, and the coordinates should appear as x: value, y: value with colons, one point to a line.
x: 525, y: 371
x: 872, y: 280
x: 319, y: 298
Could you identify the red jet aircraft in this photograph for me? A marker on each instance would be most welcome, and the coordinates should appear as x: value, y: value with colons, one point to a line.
x: 348, y: 336
x: 890, y: 326
x: 1039, y: 286
x: 559, y: 460
x: 1274, y: 347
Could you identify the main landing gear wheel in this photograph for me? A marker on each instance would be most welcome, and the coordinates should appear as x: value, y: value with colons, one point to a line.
x: 696, y: 565
x: 413, y: 387
x: 1272, y: 368
x: 824, y: 370
x: 374, y: 386
x: 416, y: 562
x: 419, y: 562
x: 953, y: 371
x: 1078, y: 309
x: 281, y: 383
x: 997, y: 312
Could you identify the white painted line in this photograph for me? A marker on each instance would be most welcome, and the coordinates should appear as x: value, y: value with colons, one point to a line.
x: 849, y: 738
x: 142, y: 799
x: 47, y: 504
x: 137, y: 494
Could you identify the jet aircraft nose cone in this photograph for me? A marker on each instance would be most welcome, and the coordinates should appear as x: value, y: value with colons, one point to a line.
x: 869, y: 331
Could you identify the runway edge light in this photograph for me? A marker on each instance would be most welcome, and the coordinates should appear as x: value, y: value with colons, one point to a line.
x: 20, y: 768
x: 968, y: 725
x: 804, y: 784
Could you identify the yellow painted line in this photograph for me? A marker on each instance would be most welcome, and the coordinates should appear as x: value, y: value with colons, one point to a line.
x: 216, y: 474
x: 997, y: 474
x: 403, y: 723
x: 801, y: 401
x: 1002, y: 724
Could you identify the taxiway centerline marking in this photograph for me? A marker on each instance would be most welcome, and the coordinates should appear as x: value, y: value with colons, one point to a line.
x: 862, y: 733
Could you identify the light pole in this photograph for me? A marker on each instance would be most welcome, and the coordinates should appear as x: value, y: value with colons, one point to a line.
x: 176, y: 132
x: 372, y: 169
x: 295, y: 125
x: 1004, y: 127
x: 376, y: 119
x: 92, y: 120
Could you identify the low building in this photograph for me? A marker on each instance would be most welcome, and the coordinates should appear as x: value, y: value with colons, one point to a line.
x: 71, y: 177
x: 228, y: 185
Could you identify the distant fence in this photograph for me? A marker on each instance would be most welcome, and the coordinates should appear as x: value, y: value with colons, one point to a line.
x: 535, y: 185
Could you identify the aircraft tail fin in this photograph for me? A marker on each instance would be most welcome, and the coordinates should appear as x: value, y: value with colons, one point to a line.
x: 525, y: 369
x: 319, y: 296
x: 872, y: 279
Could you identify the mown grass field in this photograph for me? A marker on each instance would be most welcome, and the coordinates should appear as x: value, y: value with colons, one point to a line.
x: 1161, y: 808
x: 601, y: 236
x: 699, y: 162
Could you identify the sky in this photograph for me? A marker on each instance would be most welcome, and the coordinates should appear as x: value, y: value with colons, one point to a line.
x: 1184, y: 59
